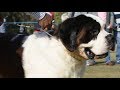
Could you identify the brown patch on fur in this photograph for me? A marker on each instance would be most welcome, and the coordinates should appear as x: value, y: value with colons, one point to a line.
x: 81, y: 36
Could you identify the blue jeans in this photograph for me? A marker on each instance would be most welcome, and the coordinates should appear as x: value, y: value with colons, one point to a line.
x: 117, y: 39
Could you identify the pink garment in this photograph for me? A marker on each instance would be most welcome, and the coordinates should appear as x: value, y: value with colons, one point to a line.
x: 102, y: 15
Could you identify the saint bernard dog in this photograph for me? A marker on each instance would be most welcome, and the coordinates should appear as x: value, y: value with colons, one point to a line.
x: 64, y: 54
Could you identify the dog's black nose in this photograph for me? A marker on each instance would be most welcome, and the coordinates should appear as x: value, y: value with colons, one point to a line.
x: 111, y: 42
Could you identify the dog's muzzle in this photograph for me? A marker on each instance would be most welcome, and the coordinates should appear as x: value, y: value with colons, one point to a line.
x: 91, y: 55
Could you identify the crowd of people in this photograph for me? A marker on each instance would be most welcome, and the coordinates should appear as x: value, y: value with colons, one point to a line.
x: 45, y: 20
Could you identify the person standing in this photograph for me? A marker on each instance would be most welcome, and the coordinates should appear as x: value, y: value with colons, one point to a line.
x: 44, y: 20
x: 110, y: 23
x: 116, y: 32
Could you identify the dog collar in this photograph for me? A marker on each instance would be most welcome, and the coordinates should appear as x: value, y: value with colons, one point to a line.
x: 76, y: 55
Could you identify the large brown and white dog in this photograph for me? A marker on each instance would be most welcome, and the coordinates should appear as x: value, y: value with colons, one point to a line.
x: 63, y: 55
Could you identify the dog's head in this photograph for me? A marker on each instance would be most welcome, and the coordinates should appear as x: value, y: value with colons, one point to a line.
x: 83, y: 29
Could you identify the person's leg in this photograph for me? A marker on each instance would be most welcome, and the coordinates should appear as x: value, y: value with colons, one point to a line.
x: 118, y: 48
x: 108, y: 59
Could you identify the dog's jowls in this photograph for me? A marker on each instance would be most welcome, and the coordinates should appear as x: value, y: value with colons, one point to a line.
x: 59, y: 56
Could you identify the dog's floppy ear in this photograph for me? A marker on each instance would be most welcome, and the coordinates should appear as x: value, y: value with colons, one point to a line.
x: 68, y: 34
x: 70, y: 41
x: 73, y: 44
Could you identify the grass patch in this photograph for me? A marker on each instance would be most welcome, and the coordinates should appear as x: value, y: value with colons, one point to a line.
x: 100, y: 70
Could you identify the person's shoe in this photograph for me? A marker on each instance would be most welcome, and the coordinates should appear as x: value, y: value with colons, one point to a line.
x: 118, y: 62
x: 90, y: 62
x: 110, y: 63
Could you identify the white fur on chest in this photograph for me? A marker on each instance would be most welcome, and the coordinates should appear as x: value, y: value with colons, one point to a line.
x: 47, y: 58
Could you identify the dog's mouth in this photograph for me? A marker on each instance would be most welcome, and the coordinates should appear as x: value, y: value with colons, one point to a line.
x: 91, y: 55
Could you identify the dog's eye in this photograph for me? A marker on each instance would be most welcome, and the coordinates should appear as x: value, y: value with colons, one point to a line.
x: 96, y: 32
